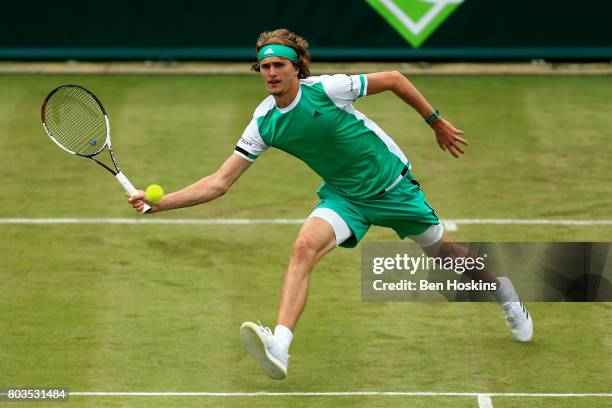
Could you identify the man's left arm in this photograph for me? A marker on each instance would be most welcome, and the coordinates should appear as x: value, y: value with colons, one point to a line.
x: 447, y: 135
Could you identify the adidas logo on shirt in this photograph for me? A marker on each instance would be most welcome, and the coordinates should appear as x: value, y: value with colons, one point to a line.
x: 316, y: 114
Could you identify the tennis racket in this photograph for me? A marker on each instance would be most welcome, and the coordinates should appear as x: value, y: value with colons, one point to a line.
x: 76, y: 121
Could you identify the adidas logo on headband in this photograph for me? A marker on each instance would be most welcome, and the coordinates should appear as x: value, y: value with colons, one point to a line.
x: 278, y: 50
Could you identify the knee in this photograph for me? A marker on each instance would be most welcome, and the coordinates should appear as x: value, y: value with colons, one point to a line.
x: 304, y: 248
x: 450, y: 250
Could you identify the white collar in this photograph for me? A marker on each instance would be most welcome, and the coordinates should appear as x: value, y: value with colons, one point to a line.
x: 294, y: 103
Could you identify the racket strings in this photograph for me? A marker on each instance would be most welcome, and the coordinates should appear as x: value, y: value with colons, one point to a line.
x: 85, y: 113
x: 76, y: 121
x: 84, y: 128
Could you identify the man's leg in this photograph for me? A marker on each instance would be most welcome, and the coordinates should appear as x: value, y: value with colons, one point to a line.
x: 445, y: 248
x: 315, y: 239
x: 517, y: 317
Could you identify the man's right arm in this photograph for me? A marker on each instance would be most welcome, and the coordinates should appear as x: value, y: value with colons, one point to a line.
x: 202, y: 191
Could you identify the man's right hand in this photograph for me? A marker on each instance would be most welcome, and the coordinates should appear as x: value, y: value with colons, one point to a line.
x: 138, y: 201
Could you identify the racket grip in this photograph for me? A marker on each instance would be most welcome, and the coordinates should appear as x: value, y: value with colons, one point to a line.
x: 129, y: 188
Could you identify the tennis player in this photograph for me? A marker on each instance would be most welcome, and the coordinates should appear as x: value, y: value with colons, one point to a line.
x: 366, y: 180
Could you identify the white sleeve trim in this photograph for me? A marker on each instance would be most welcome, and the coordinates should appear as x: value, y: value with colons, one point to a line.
x: 344, y: 89
x: 251, y: 145
x: 244, y: 156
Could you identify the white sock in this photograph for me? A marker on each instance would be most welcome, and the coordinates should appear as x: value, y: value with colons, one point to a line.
x: 505, y: 294
x: 284, y: 336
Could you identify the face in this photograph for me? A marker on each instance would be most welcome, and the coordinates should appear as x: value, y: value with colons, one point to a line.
x: 279, y: 74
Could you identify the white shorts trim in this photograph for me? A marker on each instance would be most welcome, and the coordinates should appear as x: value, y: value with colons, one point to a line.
x: 340, y: 227
x: 430, y: 236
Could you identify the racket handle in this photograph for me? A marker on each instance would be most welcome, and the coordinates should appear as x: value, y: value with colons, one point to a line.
x: 129, y: 188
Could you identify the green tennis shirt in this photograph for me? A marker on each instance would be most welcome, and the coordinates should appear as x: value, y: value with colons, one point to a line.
x: 321, y: 127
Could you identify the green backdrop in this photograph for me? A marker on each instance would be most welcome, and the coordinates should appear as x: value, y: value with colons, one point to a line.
x: 338, y: 29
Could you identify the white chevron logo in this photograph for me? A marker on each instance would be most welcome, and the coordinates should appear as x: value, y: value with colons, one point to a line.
x: 416, y: 27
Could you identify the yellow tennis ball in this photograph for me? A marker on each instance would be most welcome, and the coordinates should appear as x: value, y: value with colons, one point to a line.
x: 154, y: 193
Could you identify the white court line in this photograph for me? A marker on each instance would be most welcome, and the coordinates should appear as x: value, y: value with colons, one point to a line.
x: 187, y: 221
x: 336, y: 394
x: 451, y: 224
x: 484, y: 401
x: 517, y: 221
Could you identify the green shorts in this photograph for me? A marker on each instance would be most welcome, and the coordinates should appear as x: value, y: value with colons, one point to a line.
x: 403, y: 208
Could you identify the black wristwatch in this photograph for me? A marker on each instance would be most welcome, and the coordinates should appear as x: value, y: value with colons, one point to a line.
x: 431, y: 119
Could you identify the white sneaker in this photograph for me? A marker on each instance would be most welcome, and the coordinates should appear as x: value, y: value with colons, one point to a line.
x: 260, y: 343
x: 518, y: 321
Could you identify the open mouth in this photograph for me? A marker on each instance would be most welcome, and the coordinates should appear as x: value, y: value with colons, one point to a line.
x: 274, y: 82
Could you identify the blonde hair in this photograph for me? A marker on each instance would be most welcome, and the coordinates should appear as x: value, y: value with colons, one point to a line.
x: 285, y: 37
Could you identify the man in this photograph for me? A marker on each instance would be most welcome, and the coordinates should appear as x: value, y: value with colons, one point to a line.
x: 367, y: 179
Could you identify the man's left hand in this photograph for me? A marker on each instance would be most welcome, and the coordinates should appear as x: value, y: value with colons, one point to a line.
x: 448, y: 137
